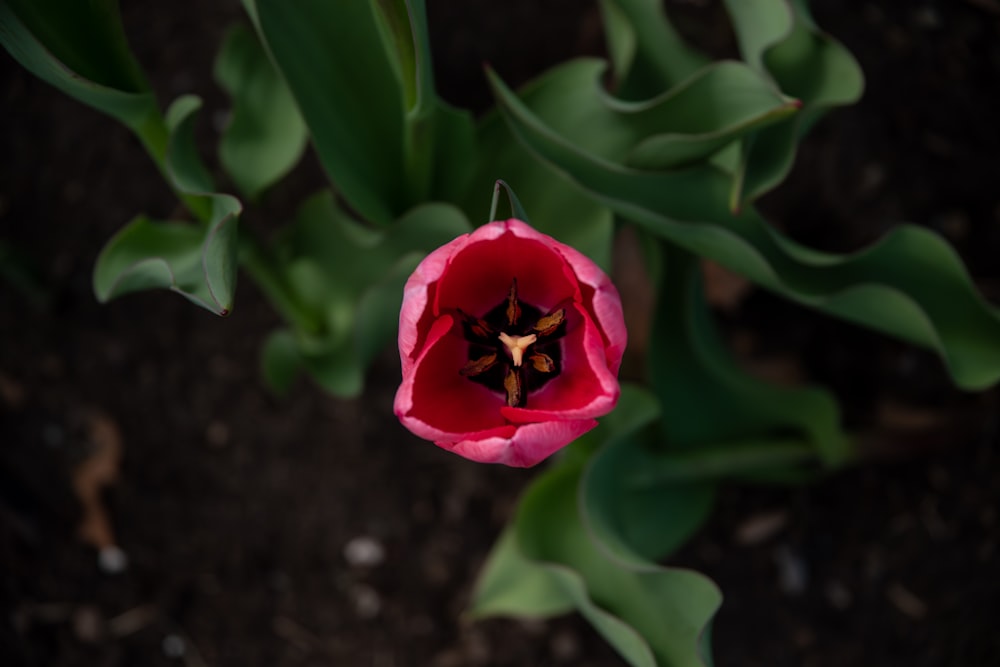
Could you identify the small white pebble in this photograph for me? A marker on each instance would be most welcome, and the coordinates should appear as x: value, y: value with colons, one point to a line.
x: 565, y: 647
x: 112, y: 560
x: 793, y: 574
x: 367, y: 602
x: 364, y: 551
x: 839, y: 595
x: 173, y: 646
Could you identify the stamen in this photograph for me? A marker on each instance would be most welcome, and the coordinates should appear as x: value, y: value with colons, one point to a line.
x: 478, y: 327
x: 549, y: 323
x: 517, y: 345
x: 480, y: 365
x: 512, y: 383
x: 542, y: 363
x: 513, y: 307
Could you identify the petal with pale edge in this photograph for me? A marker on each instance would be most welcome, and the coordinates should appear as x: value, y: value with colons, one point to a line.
x: 527, y: 446
x: 437, y: 403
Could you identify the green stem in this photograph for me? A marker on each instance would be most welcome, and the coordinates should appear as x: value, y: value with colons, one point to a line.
x: 256, y: 261
x: 737, y: 458
x: 154, y: 136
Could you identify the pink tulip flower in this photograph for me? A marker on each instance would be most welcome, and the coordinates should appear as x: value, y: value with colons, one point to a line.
x: 510, y: 345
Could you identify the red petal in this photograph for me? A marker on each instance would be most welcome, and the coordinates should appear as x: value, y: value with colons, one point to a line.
x: 434, y: 401
x: 479, y: 274
x: 528, y: 445
x: 415, y: 317
x: 603, y: 301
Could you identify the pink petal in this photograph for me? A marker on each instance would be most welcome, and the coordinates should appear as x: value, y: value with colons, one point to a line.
x: 603, y: 301
x: 479, y: 276
x: 439, y: 402
x: 529, y: 445
x: 415, y: 316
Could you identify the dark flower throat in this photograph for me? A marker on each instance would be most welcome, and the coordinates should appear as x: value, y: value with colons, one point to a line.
x: 514, y: 348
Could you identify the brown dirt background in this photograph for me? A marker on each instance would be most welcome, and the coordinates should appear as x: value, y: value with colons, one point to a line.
x: 235, y: 508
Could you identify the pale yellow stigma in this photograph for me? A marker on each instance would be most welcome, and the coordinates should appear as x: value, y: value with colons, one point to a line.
x: 517, y: 345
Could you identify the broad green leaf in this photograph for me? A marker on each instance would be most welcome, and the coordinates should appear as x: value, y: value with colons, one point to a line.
x: 653, y: 616
x: 80, y: 48
x: 637, y: 523
x: 911, y: 284
x: 647, y: 53
x: 335, y: 60
x: 347, y: 279
x: 702, y: 114
x: 779, y: 38
x: 641, y: 520
x: 266, y: 135
x: 708, y: 110
x: 512, y: 585
x: 280, y: 361
x: 177, y: 256
x: 196, y: 260
x: 706, y: 397
x: 362, y: 77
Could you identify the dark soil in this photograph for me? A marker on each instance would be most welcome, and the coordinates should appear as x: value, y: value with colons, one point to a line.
x: 236, y: 509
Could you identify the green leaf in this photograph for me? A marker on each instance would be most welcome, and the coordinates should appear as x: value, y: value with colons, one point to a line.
x: 266, y: 135
x: 634, y: 523
x: 80, y: 48
x: 707, y: 398
x: 149, y: 255
x: 335, y: 60
x: 697, y: 118
x: 349, y: 279
x: 648, y: 54
x: 197, y: 260
x: 555, y: 206
x: 653, y: 616
x: 911, y: 284
x: 514, y: 204
x: 702, y: 114
x: 362, y: 77
x: 512, y: 585
x: 641, y: 521
x: 280, y: 361
x: 779, y: 38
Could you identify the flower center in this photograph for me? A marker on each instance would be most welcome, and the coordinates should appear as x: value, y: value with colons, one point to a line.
x: 502, y: 340
x: 516, y: 345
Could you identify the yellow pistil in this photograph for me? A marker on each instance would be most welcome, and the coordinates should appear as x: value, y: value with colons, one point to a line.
x: 517, y: 345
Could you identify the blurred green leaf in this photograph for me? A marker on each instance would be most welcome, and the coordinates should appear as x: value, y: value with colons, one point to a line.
x: 149, y: 255
x: 647, y: 53
x: 780, y: 38
x: 266, y: 135
x: 349, y: 278
x: 361, y: 75
x: 514, y: 204
x: 635, y: 523
x: 706, y: 397
x: 80, y: 48
x: 512, y: 585
x: 555, y: 206
x: 641, y: 521
x: 335, y: 60
x: 280, y: 361
x: 911, y: 284
x: 197, y: 260
x: 653, y: 616
x: 702, y: 114
x: 710, y: 109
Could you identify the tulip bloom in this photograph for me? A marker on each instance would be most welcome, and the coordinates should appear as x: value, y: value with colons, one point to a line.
x: 510, y: 345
